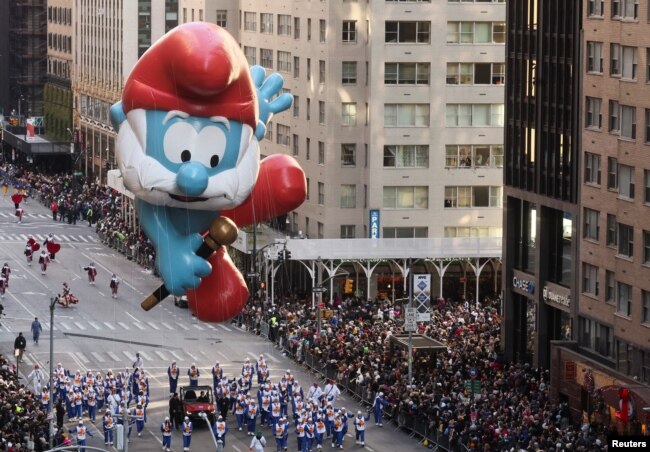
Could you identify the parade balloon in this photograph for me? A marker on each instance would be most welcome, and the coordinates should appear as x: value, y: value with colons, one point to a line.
x: 17, y: 198
x: 52, y: 247
x: 189, y: 124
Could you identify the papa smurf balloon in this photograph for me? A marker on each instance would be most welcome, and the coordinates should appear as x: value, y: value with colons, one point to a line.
x: 189, y: 124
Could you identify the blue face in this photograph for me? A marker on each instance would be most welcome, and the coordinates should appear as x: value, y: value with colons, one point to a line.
x: 215, y: 145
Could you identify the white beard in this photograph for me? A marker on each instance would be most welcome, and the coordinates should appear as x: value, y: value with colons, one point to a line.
x: 150, y: 181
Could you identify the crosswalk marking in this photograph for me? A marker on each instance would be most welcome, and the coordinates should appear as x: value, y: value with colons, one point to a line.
x: 161, y: 355
x: 39, y: 237
x: 113, y: 356
x: 57, y: 238
x: 210, y: 326
x: 253, y: 355
x: 272, y: 358
x: 198, y: 327
x: 175, y: 355
x: 145, y: 356
x: 224, y: 327
x: 153, y: 325
x: 80, y: 326
x: 98, y: 357
x: 194, y: 358
x: 65, y: 238
x: 23, y: 236
x: 182, y: 326
x: 83, y: 239
x: 65, y: 325
x: 82, y: 357
x: 62, y: 238
x: 94, y: 325
x: 166, y: 326
x: 47, y: 326
x: 110, y: 327
x: 128, y: 355
x: 139, y: 325
x: 123, y: 325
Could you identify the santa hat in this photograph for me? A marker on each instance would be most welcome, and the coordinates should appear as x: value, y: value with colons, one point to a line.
x: 197, y: 68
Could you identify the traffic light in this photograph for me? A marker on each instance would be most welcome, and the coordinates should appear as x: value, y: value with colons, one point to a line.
x: 287, y: 254
x: 280, y: 256
x: 348, y: 287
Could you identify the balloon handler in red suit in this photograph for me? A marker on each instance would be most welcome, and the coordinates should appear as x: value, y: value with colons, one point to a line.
x: 189, y: 124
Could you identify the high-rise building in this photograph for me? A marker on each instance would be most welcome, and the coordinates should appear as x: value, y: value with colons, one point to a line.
x: 542, y: 161
x: 398, y: 110
x: 109, y: 37
x: 58, y: 88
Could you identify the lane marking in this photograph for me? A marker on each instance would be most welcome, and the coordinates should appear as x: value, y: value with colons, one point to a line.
x: 123, y: 325
x: 182, y: 326
x: 79, y: 325
x: 198, y: 327
x: 110, y: 327
x: 98, y: 357
x: 82, y: 357
x: 194, y: 358
x: 139, y: 325
x: 129, y: 356
x: 160, y: 355
x: 65, y: 325
x: 224, y: 327
x: 153, y: 325
x: 83, y: 239
x: 94, y: 325
x: 175, y: 355
x: 113, y: 356
x: 145, y: 356
x: 167, y: 326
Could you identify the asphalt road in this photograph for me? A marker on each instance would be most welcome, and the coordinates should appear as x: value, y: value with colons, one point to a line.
x: 100, y: 333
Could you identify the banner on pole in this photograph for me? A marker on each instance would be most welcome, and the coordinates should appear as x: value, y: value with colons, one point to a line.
x: 422, y: 296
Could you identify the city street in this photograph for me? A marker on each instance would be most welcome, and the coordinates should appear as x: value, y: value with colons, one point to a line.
x: 101, y: 333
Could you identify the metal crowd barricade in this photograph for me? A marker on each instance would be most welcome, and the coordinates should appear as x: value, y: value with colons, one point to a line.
x: 264, y: 329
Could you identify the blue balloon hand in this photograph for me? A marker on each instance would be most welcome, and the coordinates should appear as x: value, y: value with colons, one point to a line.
x: 179, y: 266
x: 267, y: 88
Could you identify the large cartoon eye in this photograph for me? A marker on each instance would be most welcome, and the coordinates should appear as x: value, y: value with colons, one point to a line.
x: 179, y: 142
x: 210, y: 146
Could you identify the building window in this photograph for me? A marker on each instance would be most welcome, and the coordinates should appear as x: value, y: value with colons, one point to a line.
x: 200, y: 15
x: 284, y: 61
x: 476, y: 32
x: 417, y: 232
x: 348, y: 196
x: 645, y: 310
x: 307, y: 148
x: 321, y: 193
x: 321, y: 153
x: 592, y: 168
x: 284, y: 25
x: 610, y: 287
x: 308, y: 29
x: 407, y: 32
x: 628, y: 122
x: 222, y: 18
x: 349, y: 73
x: 590, y: 279
x: 623, y: 299
x: 626, y: 181
x: 348, y: 231
x: 467, y: 231
x: 349, y: 31
x: 593, y: 118
x: 625, y: 9
x: 321, y: 112
x: 296, y: 28
x: 250, y: 21
x: 308, y: 109
x: 595, y: 57
x: 468, y: 156
x: 647, y: 124
x: 321, y: 230
x: 612, y: 173
x: 406, y: 156
x: 474, y: 115
x: 476, y: 73
x: 296, y: 106
x: 348, y: 154
x: 269, y: 132
x: 295, y: 148
x: 406, y: 115
x: 646, y: 247
x: 308, y: 69
x: 296, y: 67
x: 409, y: 197
x: 266, y: 23
x: 322, y: 27
x: 283, y: 135
x: 472, y: 196
x: 591, y: 227
x: 266, y: 58
x: 596, y: 8
x: 625, y: 240
x: 646, y: 186
x: 321, y: 71
x: 612, y: 230
x: 406, y: 73
x: 349, y: 114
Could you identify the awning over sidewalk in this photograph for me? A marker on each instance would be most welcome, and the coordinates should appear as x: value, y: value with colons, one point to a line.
x: 420, y: 342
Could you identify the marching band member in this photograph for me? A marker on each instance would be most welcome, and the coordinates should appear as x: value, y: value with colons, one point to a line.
x: 280, y: 432
x: 220, y: 429
x: 187, y: 428
x: 114, y: 285
x: 377, y: 408
x: 251, y: 417
x: 139, y: 419
x: 6, y: 271
x: 360, y: 428
x: 108, y: 424
x: 80, y: 431
x: 92, y: 273
x: 166, y: 429
x: 173, y: 373
x: 29, y: 254
x: 193, y: 373
x: 43, y: 260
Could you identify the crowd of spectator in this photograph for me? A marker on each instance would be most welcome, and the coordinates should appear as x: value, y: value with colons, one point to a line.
x: 23, y: 426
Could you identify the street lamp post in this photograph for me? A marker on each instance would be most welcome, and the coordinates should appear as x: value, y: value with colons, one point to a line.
x: 51, y: 425
x: 321, y: 289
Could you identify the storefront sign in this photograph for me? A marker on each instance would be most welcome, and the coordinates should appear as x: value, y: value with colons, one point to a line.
x: 523, y: 283
x: 556, y: 295
x: 570, y: 370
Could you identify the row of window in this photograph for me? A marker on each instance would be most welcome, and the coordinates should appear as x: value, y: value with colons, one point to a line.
x: 348, y: 231
x: 94, y: 108
x: 623, y: 60
x: 58, y: 68
x: 59, y: 15
x: 617, y: 293
x: 621, y: 118
x: 619, y: 9
x: 620, y: 177
x: 629, y: 359
x: 619, y: 236
x: 59, y: 42
x: 473, y: 196
x: 476, y: 73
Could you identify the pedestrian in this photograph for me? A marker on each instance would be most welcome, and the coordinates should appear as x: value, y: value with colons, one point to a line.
x: 36, y: 330
x: 54, y: 207
x: 137, y: 361
x: 187, y: 433
x: 89, y: 216
x: 36, y: 376
x: 3, y: 288
x: 315, y: 393
x: 331, y: 391
x: 60, y: 412
x: 20, y: 213
x: 19, y: 346
x: 6, y: 271
x: 92, y: 273
x: 166, y: 429
x: 176, y: 410
x: 257, y: 443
